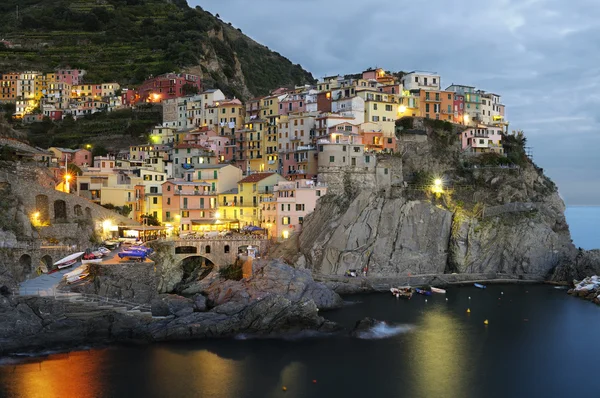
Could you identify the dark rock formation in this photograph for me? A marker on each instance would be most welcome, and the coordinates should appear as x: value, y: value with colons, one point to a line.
x: 270, y: 278
x: 363, y: 325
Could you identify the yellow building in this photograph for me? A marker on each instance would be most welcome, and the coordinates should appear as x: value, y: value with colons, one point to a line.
x: 245, y: 202
x: 254, y: 137
x: 153, y: 206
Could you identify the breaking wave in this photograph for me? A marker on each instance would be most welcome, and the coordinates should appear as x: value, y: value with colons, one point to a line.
x: 383, y: 330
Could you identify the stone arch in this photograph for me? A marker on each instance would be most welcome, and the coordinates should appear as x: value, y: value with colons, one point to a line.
x: 47, y: 262
x: 25, y: 264
x: 186, y: 250
x: 78, y: 211
x: 226, y: 249
x: 88, y: 213
x: 206, y: 260
x: 207, y: 249
x: 60, y: 210
x: 42, y: 206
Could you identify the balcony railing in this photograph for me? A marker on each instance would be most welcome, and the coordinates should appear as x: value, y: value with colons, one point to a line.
x: 195, y: 193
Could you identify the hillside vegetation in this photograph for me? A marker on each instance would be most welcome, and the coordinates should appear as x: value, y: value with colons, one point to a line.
x: 128, y: 40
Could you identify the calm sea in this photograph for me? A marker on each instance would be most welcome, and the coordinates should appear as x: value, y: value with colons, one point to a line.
x: 539, y: 342
x: 584, y: 222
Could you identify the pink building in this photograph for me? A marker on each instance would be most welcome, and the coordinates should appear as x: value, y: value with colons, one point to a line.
x: 73, y: 77
x: 168, y: 86
x: 78, y: 157
x: 376, y: 141
x: 129, y: 97
x: 295, y: 200
x: 293, y: 103
x: 188, y: 205
x: 482, y: 139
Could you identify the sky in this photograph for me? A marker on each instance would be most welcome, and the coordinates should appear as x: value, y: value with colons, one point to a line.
x: 542, y: 56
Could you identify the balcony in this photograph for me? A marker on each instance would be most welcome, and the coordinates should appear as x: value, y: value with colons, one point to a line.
x: 195, y: 193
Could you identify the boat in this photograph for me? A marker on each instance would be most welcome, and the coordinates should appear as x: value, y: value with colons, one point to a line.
x: 69, y: 260
x: 133, y: 254
x: 112, y: 244
x: 423, y: 292
x: 146, y: 249
x: 404, y: 292
x: 438, y: 290
x: 90, y: 257
x: 479, y: 285
x: 78, y: 278
x: 75, y: 274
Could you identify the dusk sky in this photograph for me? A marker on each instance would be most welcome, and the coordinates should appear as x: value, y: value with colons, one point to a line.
x: 542, y: 56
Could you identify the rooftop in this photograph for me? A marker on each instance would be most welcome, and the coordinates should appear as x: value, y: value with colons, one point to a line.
x: 257, y: 177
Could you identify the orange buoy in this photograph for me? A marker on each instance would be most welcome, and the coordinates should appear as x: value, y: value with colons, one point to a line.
x: 485, y: 322
x: 468, y: 310
x: 314, y: 382
x: 284, y: 388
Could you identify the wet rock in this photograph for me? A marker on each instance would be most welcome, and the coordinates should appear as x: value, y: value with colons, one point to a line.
x: 200, y: 303
x: 363, y: 325
x: 171, y: 304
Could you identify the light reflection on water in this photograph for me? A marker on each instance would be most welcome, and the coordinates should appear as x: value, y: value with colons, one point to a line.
x: 437, y: 354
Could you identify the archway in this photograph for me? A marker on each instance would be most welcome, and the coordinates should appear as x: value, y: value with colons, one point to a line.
x: 60, y: 210
x: 25, y: 264
x: 78, y: 211
x: 42, y: 207
x: 88, y: 213
x: 46, y: 262
x: 195, y: 268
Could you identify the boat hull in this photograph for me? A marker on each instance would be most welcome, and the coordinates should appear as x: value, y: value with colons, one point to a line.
x: 438, y: 290
x: 92, y: 261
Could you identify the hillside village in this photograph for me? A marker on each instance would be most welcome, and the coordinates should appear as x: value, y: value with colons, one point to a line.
x: 220, y: 164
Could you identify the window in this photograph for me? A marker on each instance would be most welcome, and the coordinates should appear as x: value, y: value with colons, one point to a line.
x: 331, y: 159
x: 367, y: 159
x: 375, y: 106
x: 168, y: 215
x: 299, y: 207
x: 154, y: 201
x: 318, y: 193
x: 427, y: 96
x: 437, y: 96
x: 426, y: 107
x: 388, y: 108
x: 375, y: 118
x: 153, y: 189
x: 385, y: 171
x: 416, y: 79
x: 282, y: 207
x: 285, y: 220
x: 169, y: 188
x: 185, y: 214
x: 168, y: 201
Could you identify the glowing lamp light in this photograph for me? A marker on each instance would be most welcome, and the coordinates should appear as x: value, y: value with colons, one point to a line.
x: 401, y: 109
x: 466, y: 118
x: 217, y: 215
x: 437, y: 182
x: 438, y: 186
x: 36, y: 214
x: 107, y: 225
x: 68, y: 177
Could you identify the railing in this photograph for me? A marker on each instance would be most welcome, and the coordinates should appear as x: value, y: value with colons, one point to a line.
x: 196, y: 193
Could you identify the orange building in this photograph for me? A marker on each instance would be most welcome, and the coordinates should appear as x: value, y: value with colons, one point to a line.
x: 434, y: 104
x: 8, y: 87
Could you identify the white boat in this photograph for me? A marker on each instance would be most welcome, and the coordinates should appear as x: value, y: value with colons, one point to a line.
x: 78, y: 278
x: 76, y: 272
x: 92, y: 261
x: 438, y: 290
x: 68, y: 261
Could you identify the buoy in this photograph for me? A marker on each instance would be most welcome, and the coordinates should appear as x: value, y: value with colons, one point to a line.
x: 446, y: 298
x: 501, y: 292
x: 469, y: 297
x: 314, y: 382
x: 284, y: 388
x: 468, y: 310
x: 485, y: 322
x: 425, y: 300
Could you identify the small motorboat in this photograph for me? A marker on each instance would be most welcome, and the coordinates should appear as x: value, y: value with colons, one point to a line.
x: 146, y: 249
x: 479, y: 285
x: 138, y: 255
x: 90, y: 257
x: 76, y: 273
x: 77, y: 278
x: 423, y: 292
x: 112, y: 244
x: 404, y: 292
x: 438, y: 290
x: 69, y: 260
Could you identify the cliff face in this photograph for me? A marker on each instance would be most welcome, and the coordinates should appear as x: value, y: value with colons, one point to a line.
x: 487, y: 220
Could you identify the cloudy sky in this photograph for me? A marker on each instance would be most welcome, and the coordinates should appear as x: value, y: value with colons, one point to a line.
x: 542, y: 56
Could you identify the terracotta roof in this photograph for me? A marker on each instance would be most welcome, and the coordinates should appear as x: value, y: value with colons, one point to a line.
x: 256, y: 177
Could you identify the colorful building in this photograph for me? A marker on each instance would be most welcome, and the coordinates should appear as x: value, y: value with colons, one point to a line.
x: 169, y: 85
x: 482, y: 139
x: 188, y: 205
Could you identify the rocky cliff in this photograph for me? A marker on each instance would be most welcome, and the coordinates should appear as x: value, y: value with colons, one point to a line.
x: 493, y: 216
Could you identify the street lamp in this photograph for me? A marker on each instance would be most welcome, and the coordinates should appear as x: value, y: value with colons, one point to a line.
x: 438, y: 186
x: 466, y: 119
x: 401, y: 109
x: 67, y: 179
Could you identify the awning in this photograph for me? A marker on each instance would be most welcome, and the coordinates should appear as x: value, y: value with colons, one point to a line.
x: 142, y: 228
x: 210, y: 221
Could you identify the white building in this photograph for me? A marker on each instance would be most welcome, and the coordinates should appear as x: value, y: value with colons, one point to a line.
x: 421, y: 81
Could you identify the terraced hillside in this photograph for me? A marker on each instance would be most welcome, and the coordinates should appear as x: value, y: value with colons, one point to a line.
x: 128, y: 40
